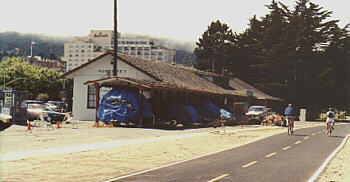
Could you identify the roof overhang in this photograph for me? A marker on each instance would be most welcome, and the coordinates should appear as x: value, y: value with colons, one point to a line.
x: 116, y: 81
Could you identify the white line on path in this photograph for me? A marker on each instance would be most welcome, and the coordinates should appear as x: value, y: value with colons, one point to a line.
x: 270, y: 155
x: 249, y: 164
x: 318, y: 172
x: 297, y: 142
x: 285, y: 148
x: 220, y: 177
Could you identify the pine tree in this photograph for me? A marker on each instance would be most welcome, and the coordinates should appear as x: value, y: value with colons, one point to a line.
x: 212, y: 49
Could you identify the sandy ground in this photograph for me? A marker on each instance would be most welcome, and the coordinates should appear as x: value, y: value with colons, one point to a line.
x: 106, y: 163
x: 338, y: 170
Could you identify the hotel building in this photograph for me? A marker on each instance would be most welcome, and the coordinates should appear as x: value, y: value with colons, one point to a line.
x: 84, y: 49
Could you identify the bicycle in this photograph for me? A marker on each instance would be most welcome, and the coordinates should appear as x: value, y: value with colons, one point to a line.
x: 290, y: 125
x: 329, y: 128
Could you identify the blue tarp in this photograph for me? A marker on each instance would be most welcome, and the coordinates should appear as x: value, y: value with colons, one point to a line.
x: 179, y: 112
x: 121, y: 104
x: 225, y: 114
x: 207, y: 109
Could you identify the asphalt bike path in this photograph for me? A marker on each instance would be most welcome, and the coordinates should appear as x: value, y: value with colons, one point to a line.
x: 276, y: 158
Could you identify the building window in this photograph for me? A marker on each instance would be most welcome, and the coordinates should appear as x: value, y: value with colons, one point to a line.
x: 160, y: 53
x: 70, y: 46
x: 77, y: 55
x: 82, y: 50
x: 133, y: 53
x: 82, y: 46
x: 139, y: 53
x: 82, y: 60
x: 77, y: 46
x: 153, y: 53
x: 88, y: 50
x: 160, y: 58
x: 70, y: 55
x: 71, y: 51
x: 126, y: 48
x: 146, y: 57
x: 133, y: 48
x: 91, y: 101
x: 146, y: 53
x: 69, y: 64
x: 139, y: 48
x: 70, y: 60
x: 89, y: 46
x: 146, y: 48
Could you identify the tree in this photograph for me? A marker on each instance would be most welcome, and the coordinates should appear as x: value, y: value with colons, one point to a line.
x: 292, y: 53
x: 34, y: 79
x: 212, y: 49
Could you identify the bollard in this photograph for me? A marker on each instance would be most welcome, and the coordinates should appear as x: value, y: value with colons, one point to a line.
x: 29, y: 127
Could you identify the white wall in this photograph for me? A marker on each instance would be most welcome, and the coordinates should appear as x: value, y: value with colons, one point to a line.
x: 98, y: 69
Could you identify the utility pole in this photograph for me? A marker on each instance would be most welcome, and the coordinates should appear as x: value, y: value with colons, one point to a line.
x: 115, y: 40
x: 31, y: 49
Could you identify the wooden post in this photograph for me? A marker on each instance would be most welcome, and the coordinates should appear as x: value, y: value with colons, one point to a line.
x: 140, y: 107
x: 97, y: 91
x: 158, y: 97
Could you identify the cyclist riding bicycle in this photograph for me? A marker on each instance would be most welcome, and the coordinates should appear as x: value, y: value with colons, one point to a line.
x: 289, y: 112
x: 330, y: 119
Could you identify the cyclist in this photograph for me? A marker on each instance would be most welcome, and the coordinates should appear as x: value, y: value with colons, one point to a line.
x: 288, y: 112
x: 330, y: 118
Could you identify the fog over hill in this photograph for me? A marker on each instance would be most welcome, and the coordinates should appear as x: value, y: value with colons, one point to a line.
x: 52, y: 47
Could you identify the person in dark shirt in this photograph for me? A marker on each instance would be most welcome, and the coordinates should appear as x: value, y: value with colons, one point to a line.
x: 289, y: 112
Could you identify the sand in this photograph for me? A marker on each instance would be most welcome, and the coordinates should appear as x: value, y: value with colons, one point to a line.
x: 106, y: 163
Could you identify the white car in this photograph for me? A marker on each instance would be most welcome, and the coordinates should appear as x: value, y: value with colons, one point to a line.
x: 257, y: 111
x: 5, y: 121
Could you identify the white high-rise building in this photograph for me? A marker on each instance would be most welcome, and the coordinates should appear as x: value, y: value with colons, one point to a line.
x: 83, y: 49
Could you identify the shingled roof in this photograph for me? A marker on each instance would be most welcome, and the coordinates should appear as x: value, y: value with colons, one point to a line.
x: 242, y: 86
x: 175, y: 76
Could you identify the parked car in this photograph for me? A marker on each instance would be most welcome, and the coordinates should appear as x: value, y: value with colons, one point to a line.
x: 257, y: 111
x: 34, y: 111
x: 58, y: 106
x: 37, y: 111
x: 25, y: 103
x: 52, y: 107
x: 5, y: 121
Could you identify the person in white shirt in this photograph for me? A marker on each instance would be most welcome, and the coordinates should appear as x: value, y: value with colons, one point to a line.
x: 330, y: 116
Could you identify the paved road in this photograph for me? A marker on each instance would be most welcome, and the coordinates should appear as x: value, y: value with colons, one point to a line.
x: 277, y: 158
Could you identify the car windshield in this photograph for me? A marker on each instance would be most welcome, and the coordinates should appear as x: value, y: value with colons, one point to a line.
x: 256, y: 109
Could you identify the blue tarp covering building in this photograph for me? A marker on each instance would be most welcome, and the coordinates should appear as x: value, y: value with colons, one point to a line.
x: 207, y: 109
x: 179, y: 112
x: 121, y: 104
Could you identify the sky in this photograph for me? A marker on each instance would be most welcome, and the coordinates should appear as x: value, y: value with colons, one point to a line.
x: 182, y: 20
